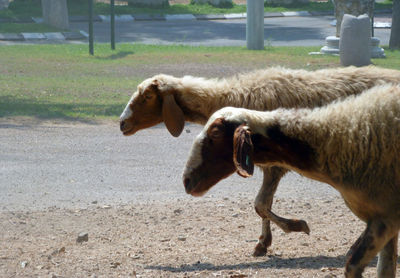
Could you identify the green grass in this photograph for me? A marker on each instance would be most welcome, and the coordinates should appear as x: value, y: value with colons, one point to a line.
x: 28, y: 8
x: 64, y: 82
x: 26, y: 27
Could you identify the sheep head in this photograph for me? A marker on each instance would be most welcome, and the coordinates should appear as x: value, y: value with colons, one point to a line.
x: 221, y: 148
x: 234, y: 139
x: 152, y: 103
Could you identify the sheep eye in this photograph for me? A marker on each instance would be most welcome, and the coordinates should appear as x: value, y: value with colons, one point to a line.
x: 215, y: 133
x: 148, y: 96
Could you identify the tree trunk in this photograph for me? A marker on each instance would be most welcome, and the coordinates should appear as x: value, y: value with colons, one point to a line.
x: 55, y: 13
x: 352, y: 7
x: 394, y: 42
x: 149, y: 3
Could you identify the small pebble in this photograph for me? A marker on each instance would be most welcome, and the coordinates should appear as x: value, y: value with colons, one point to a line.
x: 115, y: 264
x: 278, y: 254
x: 82, y: 237
x: 178, y: 211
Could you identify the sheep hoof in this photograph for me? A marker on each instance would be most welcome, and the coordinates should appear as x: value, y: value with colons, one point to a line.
x: 297, y: 226
x: 305, y: 227
x: 260, y: 250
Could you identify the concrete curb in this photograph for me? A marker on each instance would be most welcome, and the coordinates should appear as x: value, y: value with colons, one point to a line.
x: 133, y: 17
x: 51, y: 36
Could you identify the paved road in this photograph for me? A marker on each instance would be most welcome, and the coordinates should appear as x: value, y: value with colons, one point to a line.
x: 72, y: 165
x: 279, y: 31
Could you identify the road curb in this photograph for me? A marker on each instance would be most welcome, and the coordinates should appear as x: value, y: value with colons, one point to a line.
x: 48, y: 36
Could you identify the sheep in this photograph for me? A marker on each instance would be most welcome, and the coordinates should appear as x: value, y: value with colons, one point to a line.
x: 352, y: 145
x: 172, y: 100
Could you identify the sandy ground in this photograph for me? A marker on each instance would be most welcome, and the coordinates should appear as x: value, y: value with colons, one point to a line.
x: 195, y: 238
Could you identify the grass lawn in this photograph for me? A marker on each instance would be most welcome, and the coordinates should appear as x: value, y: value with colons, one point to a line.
x: 27, y: 27
x: 64, y: 82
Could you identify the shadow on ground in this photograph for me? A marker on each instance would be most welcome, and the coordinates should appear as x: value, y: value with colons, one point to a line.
x: 315, y: 262
x: 116, y: 56
x: 14, y: 107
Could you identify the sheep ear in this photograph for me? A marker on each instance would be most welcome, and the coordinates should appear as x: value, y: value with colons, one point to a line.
x: 172, y: 115
x: 243, y: 151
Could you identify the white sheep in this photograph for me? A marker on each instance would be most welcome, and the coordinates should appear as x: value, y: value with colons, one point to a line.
x: 172, y: 100
x: 353, y: 145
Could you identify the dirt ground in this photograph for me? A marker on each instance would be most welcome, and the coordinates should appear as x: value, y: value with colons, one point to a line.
x: 196, y: 238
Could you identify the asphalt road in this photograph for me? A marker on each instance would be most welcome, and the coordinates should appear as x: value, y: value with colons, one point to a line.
x: 80, y: 165
x: 278, y: 31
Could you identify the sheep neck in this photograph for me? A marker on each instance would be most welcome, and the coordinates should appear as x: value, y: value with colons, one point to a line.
x: 199, y: 102
x: 273, y: 88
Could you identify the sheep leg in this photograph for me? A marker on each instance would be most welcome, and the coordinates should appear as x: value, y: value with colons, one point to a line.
x: 377, y: 234
x: 263, y: 204
x: 388, y: 259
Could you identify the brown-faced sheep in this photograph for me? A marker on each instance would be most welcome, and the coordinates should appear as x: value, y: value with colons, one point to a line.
x: 353, y: 145
x: 172, y: 100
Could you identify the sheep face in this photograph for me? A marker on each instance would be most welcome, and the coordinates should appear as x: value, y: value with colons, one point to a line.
x: 210, y: 159
x: 152, y: 104
x: 143, y: 109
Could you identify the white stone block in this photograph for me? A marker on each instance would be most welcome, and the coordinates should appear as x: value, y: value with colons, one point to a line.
x: 54, y: 36
x: 299, y: 13
x: 33, y: 36
x: 38, y: 19
x: 235, y: 16
x: 171, y: 17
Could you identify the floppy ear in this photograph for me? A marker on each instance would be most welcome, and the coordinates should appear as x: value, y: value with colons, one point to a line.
x: 243, y: 151
x: 172, y: 115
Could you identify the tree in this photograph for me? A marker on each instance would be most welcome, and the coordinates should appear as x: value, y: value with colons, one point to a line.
x: 394, y: 41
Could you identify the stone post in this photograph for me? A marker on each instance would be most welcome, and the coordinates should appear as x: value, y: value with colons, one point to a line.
x: 255, y: 24
x: 55, y: 13
x: 355, y: 8
x: 355, y: 38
